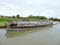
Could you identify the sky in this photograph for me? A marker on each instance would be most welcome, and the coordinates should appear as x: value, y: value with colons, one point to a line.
x: 47, y: 8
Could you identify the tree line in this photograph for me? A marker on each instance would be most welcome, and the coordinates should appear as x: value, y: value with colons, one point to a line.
x: 31, y: 17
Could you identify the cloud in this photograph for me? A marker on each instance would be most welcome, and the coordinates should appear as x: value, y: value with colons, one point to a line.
x: 48, y: 8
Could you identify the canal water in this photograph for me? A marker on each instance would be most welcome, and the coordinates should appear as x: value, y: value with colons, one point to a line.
x: 47, y: 35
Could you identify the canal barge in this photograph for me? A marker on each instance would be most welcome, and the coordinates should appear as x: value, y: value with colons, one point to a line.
x: 18, y: 25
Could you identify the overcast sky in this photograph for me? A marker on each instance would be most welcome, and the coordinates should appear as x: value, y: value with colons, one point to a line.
x: 48, y: 8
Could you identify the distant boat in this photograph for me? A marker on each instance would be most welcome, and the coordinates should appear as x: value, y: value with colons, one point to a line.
x: 55, y: 22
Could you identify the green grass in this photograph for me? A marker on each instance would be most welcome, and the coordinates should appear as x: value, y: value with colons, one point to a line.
x: 2, y: 21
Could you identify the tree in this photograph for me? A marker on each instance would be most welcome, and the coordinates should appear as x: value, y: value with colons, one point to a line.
x: 51, y: 18
x: 41, y: 17
x: 17, y: 15
x: 13, y: 16
x: 54, y: 19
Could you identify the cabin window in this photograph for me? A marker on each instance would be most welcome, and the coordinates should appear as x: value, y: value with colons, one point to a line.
x: 13, y: 25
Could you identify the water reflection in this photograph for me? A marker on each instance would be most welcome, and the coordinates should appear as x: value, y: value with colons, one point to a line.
x: 2, y: 37
x: 47, y: 35
x: 26, y: 31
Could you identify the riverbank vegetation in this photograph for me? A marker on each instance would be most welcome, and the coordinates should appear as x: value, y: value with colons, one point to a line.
x: 54, y: 19
x: 3, y: 19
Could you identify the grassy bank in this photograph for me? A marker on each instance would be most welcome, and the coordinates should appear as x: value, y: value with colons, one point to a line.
x: 2, y: 22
